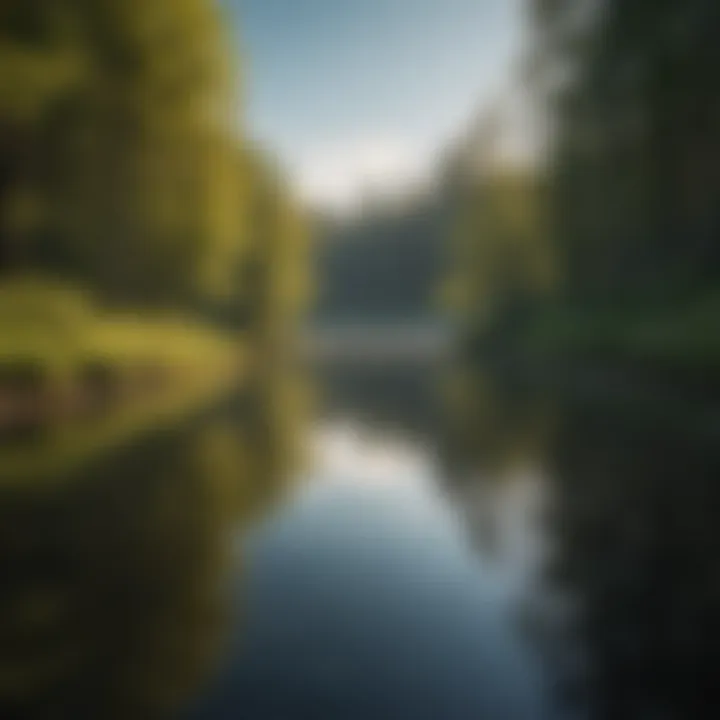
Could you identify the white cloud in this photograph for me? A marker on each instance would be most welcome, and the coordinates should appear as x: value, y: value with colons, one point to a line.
x: 337, y: 174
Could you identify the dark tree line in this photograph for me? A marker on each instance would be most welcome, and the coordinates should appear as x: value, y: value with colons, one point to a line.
x: 607, y: 241
x: 635, y: 164
x: 121, y: 167
x: 617, y: 209
x: 383, y: 266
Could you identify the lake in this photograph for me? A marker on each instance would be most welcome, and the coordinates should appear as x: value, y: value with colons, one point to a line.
x: 518, y: 550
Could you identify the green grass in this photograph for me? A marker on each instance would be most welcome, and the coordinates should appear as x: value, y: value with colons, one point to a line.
x: 58, y: 329
x: 51, y: 334
x: 684, y: 334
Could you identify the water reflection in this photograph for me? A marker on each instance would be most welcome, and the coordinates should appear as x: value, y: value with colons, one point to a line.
x: 115, y: 578
x: 626, y: 596
x: 399, y: 397
x: 364, y: 600
x: 636, y: 521
x: 548, y: 550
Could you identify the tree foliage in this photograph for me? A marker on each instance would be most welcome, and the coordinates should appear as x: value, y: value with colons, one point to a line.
x: 620, y: 209
x: 118, y: 162
x: 634, y: 172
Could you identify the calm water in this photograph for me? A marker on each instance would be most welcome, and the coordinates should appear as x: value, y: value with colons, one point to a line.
x: 531, y: 554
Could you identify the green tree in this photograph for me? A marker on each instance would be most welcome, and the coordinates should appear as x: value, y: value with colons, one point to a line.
x: 634, y: 178
x: 275, y: 275
x: 125, y: 145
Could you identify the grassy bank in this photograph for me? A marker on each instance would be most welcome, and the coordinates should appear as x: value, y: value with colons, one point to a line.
x: 75, y: 379
x: 682, y: 335
x: 58, y: 331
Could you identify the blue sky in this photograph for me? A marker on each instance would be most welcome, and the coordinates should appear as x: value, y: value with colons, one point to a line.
x: 357, y: 93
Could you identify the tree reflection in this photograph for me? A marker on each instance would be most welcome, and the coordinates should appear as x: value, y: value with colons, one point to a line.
x: 495, y: 423
x: 115, y: 585
x: 637, y: 519
x: 633, y: 481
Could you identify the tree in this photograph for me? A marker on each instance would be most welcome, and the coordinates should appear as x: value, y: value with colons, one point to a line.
x: 634, y: 180
x: 274, y: 277
x: 126, y: 144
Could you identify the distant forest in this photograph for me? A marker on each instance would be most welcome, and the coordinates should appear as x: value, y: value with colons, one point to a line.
x: 383, y: 266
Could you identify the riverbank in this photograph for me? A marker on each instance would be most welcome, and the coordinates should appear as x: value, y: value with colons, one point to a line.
x: 665, y: 340
x: 75, y: 378
x: 683, y: 334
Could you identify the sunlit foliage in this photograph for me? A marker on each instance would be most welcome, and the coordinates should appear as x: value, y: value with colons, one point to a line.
x: 118, y: 164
